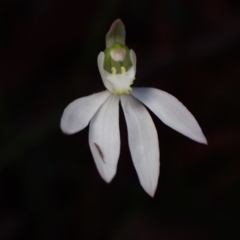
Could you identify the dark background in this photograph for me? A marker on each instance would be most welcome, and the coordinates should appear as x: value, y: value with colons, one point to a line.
x: 49, y: 185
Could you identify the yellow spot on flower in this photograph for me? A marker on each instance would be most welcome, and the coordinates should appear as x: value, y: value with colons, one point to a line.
x: 113, y: 70
x: 117, y: 93
x: 123, y: 70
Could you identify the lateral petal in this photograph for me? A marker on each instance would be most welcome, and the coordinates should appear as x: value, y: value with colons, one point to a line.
x: 78, y: 113
x: 104, y: 138
x: 143, y: 142
x: 171, y: 111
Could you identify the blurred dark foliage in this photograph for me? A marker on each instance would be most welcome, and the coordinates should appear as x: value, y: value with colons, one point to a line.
x: 49, y: 185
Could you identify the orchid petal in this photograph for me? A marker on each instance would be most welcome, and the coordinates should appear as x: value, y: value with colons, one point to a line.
x: 78, y: 113
x: 116, y: 33
x: 143, y: 142
x: 134, y: 60
x: 172, y: 112
x: 104, y: 138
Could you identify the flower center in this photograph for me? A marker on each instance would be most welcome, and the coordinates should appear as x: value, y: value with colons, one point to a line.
x: 117, y: 67
x: 118, y: 54
x: 117, y: 59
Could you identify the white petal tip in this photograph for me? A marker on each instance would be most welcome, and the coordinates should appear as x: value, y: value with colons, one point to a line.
x: 108, y: 176
x: 201, y: 139
x: 205, y: 141
x: 151, y: 193
x: 64, y: 127
x: 107, y: 180
x: 150, y: 189
x: 117, y: 21
x: 65, y: 132
x: 117, y: 25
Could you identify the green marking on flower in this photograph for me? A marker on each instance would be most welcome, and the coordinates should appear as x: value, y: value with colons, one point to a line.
x: 117, y: 59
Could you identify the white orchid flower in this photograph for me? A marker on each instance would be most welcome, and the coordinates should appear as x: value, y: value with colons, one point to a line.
x: 117, y: 66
